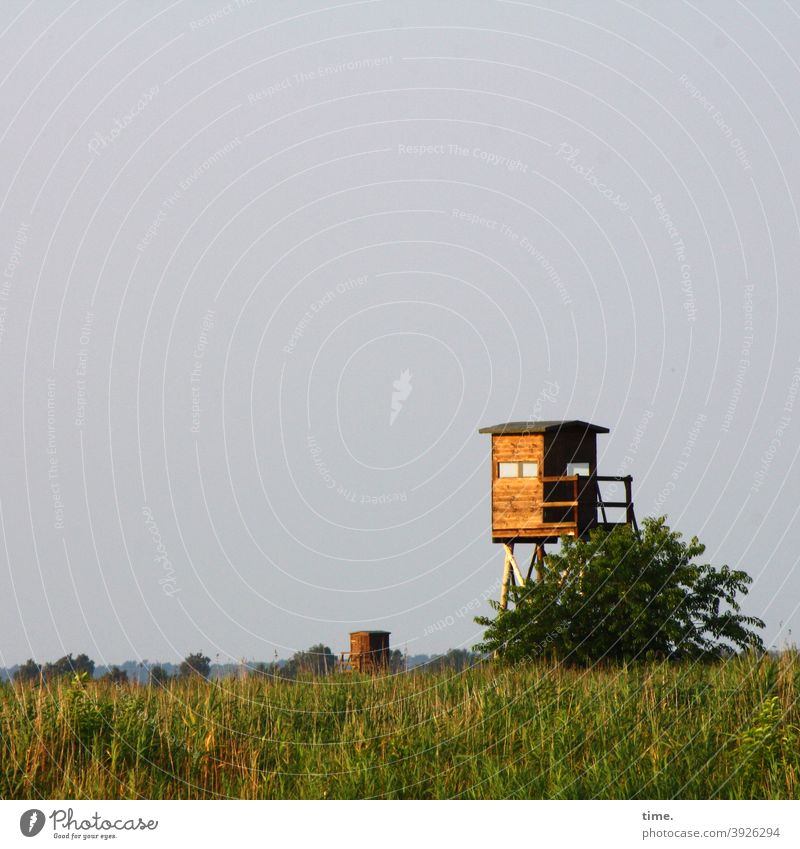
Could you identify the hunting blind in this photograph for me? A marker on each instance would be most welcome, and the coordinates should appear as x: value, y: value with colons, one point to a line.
x: 545, y: 486
x: 369, y: 652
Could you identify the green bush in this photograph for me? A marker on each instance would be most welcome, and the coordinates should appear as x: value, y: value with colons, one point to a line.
x: 621, y: 595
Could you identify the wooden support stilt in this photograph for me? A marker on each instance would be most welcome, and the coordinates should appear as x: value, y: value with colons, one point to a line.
x: 512, y: 576
x: 537, y: 562
x: 515, y: 568
x: 506, y: 581
x: 532, y: 564
x: 540, y: 562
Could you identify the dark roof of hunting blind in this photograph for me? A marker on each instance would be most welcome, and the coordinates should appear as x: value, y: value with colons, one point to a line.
x: 543, y: 427
x: 370, y: 632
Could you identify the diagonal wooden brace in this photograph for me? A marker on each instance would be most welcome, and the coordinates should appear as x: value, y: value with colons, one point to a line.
x: 510, y: 556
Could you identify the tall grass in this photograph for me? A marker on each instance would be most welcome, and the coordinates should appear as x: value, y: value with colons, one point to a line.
x: 730, y: 730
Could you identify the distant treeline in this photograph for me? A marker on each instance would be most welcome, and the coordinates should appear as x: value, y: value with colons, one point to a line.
x: 316, y: 660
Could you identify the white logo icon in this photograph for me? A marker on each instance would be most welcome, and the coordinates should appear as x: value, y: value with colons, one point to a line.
x: 402, y: 389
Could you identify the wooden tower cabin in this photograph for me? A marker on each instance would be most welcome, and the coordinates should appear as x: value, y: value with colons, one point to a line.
x: 369, y: 652
x: 545, y: 486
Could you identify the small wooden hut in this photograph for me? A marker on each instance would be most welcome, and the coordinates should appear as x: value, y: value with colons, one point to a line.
x: 369, y: 652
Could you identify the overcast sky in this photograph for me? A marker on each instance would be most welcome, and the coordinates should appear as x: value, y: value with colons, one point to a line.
x: 268, y: 266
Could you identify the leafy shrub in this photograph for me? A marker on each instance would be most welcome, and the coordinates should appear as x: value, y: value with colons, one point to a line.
x: 622, y: 596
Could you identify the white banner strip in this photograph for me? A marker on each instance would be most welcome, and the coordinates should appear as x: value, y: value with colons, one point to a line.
x: 393, y: 825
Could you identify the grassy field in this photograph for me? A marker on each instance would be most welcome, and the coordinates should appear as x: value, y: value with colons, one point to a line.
x: 726, y: 731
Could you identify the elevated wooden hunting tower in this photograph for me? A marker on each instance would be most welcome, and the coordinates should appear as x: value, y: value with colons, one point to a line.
x: 545, y: 486
x: 369, y: 652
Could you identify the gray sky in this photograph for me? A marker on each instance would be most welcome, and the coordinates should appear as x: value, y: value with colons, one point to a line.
x: 229, y: 233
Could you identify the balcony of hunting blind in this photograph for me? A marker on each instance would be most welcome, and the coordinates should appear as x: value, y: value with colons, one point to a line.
x: 369, y: 652
x: 545, y: 483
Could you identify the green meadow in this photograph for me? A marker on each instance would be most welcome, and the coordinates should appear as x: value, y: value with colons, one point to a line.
x: 728, y: 730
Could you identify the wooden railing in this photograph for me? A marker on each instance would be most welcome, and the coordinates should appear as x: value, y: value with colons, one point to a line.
x: 627, y: 504
x: 599, y: 503
x: 586, y: 494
